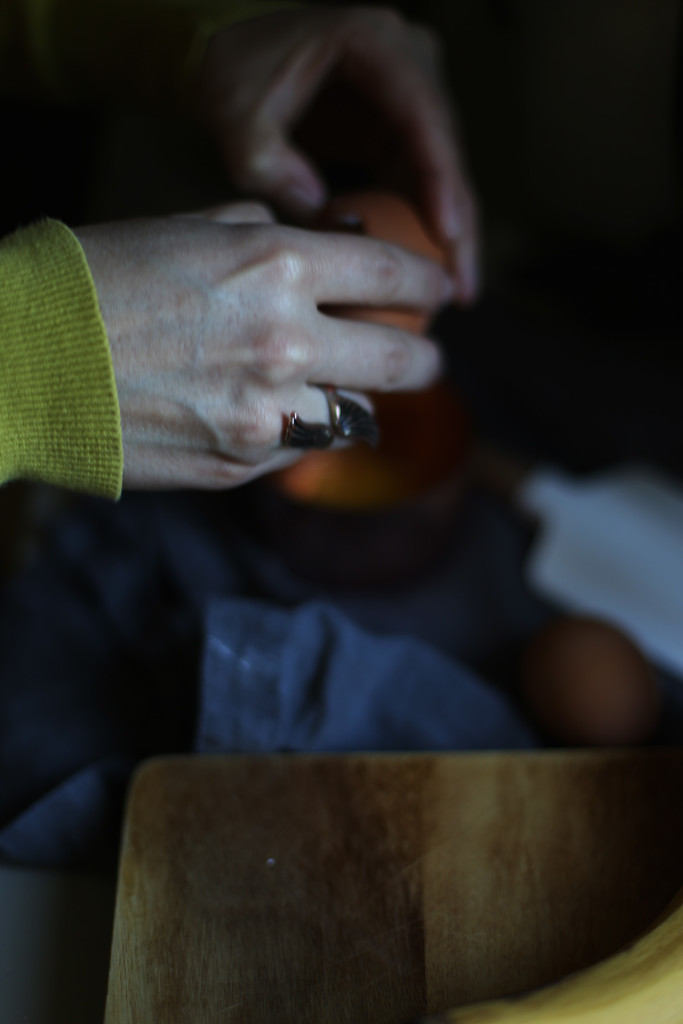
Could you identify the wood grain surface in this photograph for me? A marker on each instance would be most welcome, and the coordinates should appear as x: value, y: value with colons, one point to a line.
x: 377, y: 888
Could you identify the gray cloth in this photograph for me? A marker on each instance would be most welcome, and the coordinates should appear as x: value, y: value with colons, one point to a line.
x: 160, y: 625
x: 310, y: 679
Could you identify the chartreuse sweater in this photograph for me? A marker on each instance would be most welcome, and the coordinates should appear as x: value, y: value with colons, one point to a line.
x: 59, y: 412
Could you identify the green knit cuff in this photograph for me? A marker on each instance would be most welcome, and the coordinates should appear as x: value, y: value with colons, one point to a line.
x: 59, y: 412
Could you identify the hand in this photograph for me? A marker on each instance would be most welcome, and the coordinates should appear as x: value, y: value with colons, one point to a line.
x: 365, y: 78
x: 217, y: 336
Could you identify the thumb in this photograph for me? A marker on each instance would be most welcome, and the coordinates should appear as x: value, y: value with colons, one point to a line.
x: 270, y: 167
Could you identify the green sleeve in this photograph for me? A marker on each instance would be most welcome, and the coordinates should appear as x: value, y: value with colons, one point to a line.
x: 59, y: 414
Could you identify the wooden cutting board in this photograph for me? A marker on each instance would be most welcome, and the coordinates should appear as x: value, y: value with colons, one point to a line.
x: 375, y: 888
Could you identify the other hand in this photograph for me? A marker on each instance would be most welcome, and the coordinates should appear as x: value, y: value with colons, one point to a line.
x: 370, y: 82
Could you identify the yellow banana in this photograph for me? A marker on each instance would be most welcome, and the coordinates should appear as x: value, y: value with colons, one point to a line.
x: 642, y: 984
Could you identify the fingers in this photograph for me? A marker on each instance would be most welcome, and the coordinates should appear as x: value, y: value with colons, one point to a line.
x: 260, y: 78
x: 372, y: 357
x: 345, y: 269
x: 328, y: 418
x: 467, y: 253
x: 293, y: 58
x: 410, y: 95
x: 259, y: 449
x: 264, y: 163
x: 451, y: 210
x: 446, y: 197
x: 304, y: 282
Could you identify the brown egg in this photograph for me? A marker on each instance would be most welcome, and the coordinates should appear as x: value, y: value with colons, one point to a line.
x: 424, y: 435
x: 586, y: 683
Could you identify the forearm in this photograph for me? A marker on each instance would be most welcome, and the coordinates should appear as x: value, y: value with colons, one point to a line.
x: 59, y: 415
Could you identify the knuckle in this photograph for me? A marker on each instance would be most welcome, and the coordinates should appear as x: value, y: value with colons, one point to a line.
x: 253, y: 430
x: 397, y: 363
x: 253, y: 435
x: 419, y: 360
x: 390, y: 271
x: 285, y: 268
x: 279, y: 355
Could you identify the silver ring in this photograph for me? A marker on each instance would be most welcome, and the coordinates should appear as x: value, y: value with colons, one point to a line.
x: 348, y: 420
